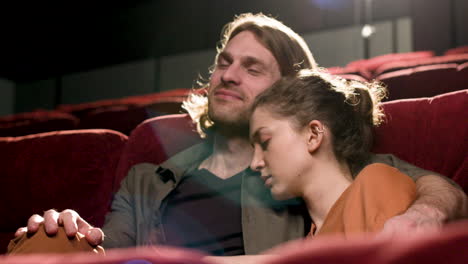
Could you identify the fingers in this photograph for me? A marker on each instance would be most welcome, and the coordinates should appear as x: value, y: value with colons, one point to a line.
x: 34, y: 222
x: 21, y: 231
x: 94, y: 236
x: 51, y: 223
x: 68, y: 218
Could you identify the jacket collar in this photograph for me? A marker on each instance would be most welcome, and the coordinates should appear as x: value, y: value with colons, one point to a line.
x: 188, y: 159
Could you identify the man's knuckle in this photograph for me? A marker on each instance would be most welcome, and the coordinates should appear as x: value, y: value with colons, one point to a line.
x: 50, y: 211
x: 68, y: 212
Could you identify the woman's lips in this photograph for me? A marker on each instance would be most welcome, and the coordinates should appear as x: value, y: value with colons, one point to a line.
x: 268, y: 180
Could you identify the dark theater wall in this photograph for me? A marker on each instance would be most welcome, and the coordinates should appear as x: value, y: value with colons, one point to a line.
x: 460, y: 19
x: 432, y: 22
x: 44, y: 42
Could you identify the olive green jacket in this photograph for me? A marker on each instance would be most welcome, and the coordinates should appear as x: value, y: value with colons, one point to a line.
x: 135, y: 217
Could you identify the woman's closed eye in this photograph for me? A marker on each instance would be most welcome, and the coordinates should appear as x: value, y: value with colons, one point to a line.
x: 264, y: 144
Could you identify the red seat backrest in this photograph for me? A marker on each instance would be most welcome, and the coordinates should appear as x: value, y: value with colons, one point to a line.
x: 123, y: 118
x: 431, y: 133
x: 423, y: 81
x: 67, y: 169
x: 83, y: 109
x: 399, y: 65
x: 367, y: 67
x: 36, y: 122
x: 457, y: 50
x: 157, y: 139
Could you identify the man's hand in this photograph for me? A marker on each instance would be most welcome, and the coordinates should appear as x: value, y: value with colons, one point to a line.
x: 71, y: 222
x: 417, y: 219
x: 438, y: 202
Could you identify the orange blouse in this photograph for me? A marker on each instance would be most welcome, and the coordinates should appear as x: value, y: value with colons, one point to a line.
x: 378, y: 193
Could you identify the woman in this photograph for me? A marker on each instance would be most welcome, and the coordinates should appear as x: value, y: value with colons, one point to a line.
x: 312, y: 135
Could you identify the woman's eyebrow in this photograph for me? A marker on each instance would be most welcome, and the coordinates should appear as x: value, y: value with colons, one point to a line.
x: 255, y: 137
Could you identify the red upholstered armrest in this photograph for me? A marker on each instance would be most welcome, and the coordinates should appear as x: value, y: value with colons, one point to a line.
x: 143, y: 255
x: 448, y: 246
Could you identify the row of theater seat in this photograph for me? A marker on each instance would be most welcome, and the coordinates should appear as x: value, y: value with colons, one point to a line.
x: 122, y: 115
x: 371, y: 68
x: 406, y: 75
x: 81, y: 169
x: 413, y: 74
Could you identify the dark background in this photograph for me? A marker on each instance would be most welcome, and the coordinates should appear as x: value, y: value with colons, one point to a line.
x: 46, y: 39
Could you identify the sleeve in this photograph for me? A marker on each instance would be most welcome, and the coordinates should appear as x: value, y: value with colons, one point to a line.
x: 378, y: 193
x: 409, y: 169
x: 119, y: 228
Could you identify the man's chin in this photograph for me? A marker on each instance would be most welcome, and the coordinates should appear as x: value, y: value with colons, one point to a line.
x: 229, y: 118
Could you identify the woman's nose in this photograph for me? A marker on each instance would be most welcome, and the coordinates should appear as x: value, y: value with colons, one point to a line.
x: 257, y: 163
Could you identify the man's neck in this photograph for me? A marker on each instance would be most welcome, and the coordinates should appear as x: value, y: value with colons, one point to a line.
x: 230, y: 156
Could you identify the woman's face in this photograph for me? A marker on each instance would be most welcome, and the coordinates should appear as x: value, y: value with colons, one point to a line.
x: 280, y: 153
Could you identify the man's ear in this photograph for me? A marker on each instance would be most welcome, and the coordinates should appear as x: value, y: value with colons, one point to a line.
x: 315, y: 134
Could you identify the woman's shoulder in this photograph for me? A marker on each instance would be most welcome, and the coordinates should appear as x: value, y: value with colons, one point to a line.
x: 381, y: 174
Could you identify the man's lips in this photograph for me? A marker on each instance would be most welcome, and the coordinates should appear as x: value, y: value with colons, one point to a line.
x: 227, y: 94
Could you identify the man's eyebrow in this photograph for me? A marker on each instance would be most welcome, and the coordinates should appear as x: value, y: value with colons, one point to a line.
x: 225, y: 55
x: 249, y: 61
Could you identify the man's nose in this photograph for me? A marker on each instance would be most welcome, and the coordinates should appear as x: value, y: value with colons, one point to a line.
x: 231, y: 75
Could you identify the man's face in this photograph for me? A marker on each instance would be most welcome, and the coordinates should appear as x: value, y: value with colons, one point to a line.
x: 244, y: 69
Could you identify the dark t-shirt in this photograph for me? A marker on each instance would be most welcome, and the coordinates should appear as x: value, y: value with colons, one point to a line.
x: 204, y: 213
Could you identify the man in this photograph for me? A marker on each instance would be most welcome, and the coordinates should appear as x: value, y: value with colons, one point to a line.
x: 206, y: 197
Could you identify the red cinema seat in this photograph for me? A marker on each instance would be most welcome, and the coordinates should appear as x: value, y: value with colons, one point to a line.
x: 423, y: 81
x: 122, y: 118
x: 67, y: 169
x: 457, y: 50
x: 84, y: 109
x: 157, y: 139
x: 367, y: 67
x: 462, y: 73
x: 429, y: 132
x: 400, y: 65
x: 36, y: 122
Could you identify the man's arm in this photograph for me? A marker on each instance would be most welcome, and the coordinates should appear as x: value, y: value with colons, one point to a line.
x: 119, y: 228
x: 447, y: 201
x: 438, y: 202
x: 439, y: 199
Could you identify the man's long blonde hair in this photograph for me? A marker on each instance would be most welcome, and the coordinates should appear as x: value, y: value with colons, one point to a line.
x: 289, y: 49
